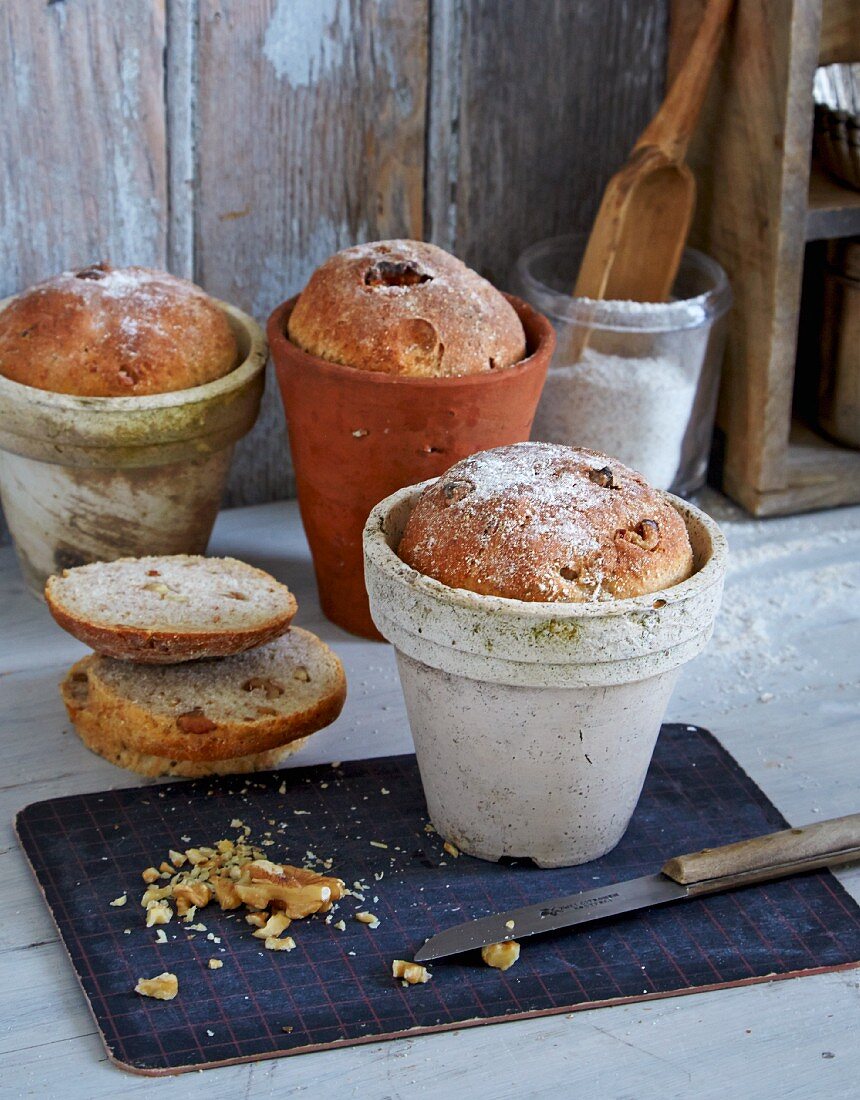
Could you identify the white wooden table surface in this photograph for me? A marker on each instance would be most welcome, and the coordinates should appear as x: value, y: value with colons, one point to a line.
x: 780, y: 687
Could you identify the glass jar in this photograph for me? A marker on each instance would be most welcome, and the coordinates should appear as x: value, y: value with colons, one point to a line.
x: 636, y: 380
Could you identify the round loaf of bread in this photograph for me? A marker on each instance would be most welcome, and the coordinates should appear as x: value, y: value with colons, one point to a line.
x: 106, y: 332
x: 405, y: 307
x: 542, y: 522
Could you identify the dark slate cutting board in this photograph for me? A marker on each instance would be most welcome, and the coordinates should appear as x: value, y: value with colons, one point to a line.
x: 335, y: 988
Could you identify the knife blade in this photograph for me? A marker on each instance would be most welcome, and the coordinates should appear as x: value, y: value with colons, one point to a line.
x: 760, y: 859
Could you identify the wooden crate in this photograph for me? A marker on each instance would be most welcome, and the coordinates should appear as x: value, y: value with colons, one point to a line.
x: 759, y: 205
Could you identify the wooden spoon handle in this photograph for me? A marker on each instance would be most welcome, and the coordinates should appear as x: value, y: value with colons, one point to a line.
x: 771, y: 856
x: 671, y: 128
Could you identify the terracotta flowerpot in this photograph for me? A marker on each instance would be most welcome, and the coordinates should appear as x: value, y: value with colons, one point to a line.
x: 534, y: 723
x: 96, y: 478
x: 357, y: 436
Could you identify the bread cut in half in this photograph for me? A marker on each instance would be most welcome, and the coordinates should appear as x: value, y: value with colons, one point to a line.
x: 163, y: 610
x: 206, y: 711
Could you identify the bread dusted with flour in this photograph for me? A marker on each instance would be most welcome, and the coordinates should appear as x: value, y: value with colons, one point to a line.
x: 542, y: 522
x: 115, y: 332
x: 161, y: 610
x: 409, y: 308
x: 218, y: 710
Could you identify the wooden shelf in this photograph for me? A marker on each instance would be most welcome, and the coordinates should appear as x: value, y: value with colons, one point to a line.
x: 819, y: 474
x: 833, y: 210
x: 756, y: 214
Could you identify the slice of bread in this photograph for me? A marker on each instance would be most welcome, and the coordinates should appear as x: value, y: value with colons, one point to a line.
x: 162, y: 610
x: 214, y: 710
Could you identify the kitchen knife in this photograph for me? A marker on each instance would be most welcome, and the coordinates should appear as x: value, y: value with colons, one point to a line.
x: 761, y: 859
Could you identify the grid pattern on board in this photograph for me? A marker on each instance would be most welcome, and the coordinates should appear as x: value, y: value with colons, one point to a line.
x: 336, y: 986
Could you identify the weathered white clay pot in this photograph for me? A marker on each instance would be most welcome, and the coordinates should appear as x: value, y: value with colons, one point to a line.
x: 95, y: 478
x: 534, y: 723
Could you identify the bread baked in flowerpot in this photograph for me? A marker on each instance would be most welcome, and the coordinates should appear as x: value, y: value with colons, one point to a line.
x: 394, y: 362
x: 122, y: 393
x: 542, y: 601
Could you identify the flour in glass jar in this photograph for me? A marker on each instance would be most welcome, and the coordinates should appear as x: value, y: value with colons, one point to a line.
x: 629, y: 393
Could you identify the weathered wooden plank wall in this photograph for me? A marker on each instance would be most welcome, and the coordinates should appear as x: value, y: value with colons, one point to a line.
x: 242, y: 141
x: 320, y: 145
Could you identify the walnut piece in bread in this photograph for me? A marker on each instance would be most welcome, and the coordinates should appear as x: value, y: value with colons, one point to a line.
x: 406, y: 307
x: 115, y: 332
x: 543, y: 522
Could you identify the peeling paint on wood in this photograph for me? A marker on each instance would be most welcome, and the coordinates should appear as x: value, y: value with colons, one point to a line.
x: 321, y: 141
x: 243, y: 141
x: 83, y: 168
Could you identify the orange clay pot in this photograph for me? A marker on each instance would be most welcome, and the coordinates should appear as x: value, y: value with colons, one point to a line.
x: 357, y: 436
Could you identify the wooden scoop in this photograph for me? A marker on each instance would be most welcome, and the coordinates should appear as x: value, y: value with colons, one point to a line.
x: 636, y: 242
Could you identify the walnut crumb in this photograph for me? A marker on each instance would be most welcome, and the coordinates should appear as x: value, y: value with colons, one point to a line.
x: 367, y: 918
x: 121, y: 900
x: 215, y: 964
x: 501, y: 956
x: 158, y: 912
x: 451, y: 849
x: 163, y: 987
x: 282, y: 943
x: 411, y: 973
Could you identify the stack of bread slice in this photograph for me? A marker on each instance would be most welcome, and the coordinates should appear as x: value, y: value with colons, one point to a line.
x: 196, y: 670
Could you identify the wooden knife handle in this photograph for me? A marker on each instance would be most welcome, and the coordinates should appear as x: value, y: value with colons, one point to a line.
x: 772, y: 856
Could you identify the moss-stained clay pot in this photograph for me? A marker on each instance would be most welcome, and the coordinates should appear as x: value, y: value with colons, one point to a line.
x: 534, y: 723
x: 96, y: 478
x: 356, y: 436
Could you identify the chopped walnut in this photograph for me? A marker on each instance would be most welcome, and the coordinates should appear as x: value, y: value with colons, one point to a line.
x: 215, y: 964
x: 194, y: 895
x: 158, y: 912
x: 297, y: 891
x: 155, y: 893
x: 645, y: 534
x: 225, y: 893
x: 195, y: 721
x: 286, y: 943
x: 121, y: 900
x: 235, y: 872
x: 367, y: 918
x: 270, y: 688
x: 274, y: 926
x: 501, y: 956
x: 451, y: 849
x: 163, y: 987
x: 161, y: 589
x: 410, y: 972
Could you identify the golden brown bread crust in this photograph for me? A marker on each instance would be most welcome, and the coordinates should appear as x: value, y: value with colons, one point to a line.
x: 109, y: 745
x: 104, y: 332
x: 541, y: 522
x: 162, y: 647
x: 406, y: 307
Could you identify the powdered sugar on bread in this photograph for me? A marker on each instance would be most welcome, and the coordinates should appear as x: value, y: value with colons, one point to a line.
x: 541, y: 522
x: 107, y: 332
x: 406, y: 307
